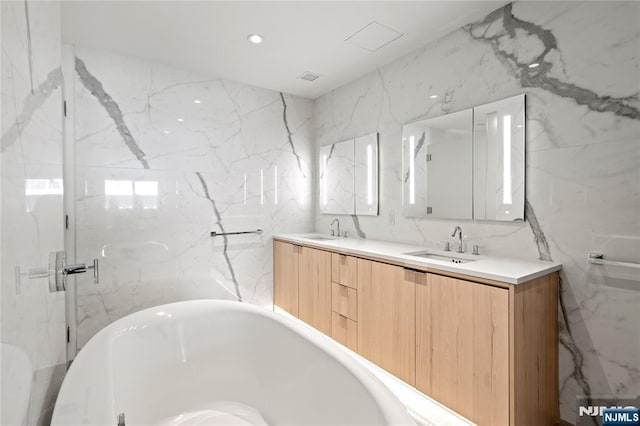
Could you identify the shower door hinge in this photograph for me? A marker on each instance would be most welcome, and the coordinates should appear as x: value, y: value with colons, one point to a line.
x: 68, y: 334
x: 429, y: 210
x: 64, y: 107
x: 66, y: 221
x: 428, y: 157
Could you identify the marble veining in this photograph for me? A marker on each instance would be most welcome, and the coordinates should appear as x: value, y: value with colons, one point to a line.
x: 225, y: 249
x: 416, y: 153
x: 358, y: 228
x: 582, y: 162
x: 94, y: 86
x: 29, y: 43
x: 566, y: 337
x: 324, y: 169
x: 32, y: 103
x: 32, y: 320
x: 223, y: 156
x: 501, y: 26
x: 538, y: 234
x: 289, y: 134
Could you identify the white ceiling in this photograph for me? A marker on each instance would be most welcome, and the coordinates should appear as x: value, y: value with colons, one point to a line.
x: 210, y: 37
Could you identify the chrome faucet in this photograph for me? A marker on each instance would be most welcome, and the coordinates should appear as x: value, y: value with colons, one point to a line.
x: 336, y: 220
x: 459, y: 231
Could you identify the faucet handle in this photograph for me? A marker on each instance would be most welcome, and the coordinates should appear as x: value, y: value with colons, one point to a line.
x: 332, y: 232
x: 345, y: 234
x: 447, y: 246
x: 476, y: 249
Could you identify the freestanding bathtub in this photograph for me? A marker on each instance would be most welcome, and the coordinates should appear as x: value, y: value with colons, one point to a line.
x: 211, y: 362
x: 17, y: 374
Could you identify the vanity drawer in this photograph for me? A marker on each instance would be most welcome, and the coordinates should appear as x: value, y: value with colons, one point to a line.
x: 344, y: 270
x: 344, y: 331
x: 344, y: 301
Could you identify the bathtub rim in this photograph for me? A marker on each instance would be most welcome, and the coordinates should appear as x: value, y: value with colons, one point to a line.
x: 393, y: 412
x: 21, y: 366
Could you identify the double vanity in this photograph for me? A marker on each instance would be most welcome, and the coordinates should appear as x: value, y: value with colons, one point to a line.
x: 478, y: 334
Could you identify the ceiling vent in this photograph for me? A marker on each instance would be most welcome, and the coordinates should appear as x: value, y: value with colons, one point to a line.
x: 373, y: 37
x: 309, y: 76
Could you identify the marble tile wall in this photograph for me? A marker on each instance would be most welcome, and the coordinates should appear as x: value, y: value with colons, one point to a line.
x: 32, y: 187
x: 582, y: 162
x: 164, y: 157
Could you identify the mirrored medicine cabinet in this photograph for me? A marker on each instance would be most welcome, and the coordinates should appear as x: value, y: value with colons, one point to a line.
x: 348, y: 176
x: 467, y: 164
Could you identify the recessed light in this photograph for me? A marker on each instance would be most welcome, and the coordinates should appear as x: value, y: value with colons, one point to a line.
x: 196, y: 101
x: 433, y: 96
x: 255, y: 38
x: 166, y: 132
x: 180, y: 120
x: 534, y: 65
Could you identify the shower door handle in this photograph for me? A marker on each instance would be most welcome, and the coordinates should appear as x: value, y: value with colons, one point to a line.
x: 57, y: 271
x: 81, y: 268
x: 62, y: 270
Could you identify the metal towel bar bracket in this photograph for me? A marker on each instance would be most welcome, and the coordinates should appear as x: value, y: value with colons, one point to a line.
x: 598, y: 259
x: 220, y: 234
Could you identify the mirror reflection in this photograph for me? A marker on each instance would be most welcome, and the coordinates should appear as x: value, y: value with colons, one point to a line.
x: 468, y: 164
x: 348, y: 176
x: 438, y: 166
x: 498, y: 160
x: 336, y: 178
x: 366, y: 174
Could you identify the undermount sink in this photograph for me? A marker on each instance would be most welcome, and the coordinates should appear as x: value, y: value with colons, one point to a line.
x: 319, y: 237
x: 440, y: 257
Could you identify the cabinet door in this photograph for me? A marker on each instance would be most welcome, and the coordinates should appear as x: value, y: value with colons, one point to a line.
x: 386, y: 317
x: 285, y: 276
x: 314, y: 290
x: 462, y: 357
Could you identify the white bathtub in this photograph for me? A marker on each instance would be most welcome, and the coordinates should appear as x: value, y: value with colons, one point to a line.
x: 219, y: 362
x: 16, y: 373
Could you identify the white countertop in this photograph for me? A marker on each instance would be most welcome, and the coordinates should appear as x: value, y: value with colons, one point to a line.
x: 508, y: 270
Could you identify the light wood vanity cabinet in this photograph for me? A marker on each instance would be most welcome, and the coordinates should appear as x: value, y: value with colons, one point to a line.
x: 462, y: 351
x: 486, y: 349
x: 344, y: 300
x: 302, y: 283
x: 286, y: 275
x: 386, y: 317
x: 314, y: 289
